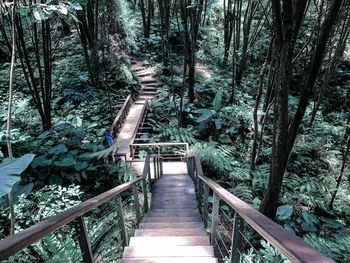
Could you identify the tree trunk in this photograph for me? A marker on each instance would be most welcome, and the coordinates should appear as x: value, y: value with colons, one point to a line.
x: 9, y: 113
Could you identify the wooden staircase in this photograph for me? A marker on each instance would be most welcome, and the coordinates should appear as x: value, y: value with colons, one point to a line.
x: 173, y: 230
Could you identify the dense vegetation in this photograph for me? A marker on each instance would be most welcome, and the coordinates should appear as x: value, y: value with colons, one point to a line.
x: 260, y: 90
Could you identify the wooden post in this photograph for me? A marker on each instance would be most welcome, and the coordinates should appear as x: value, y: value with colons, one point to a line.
x: 149, y: 175
x: 121, y: 222
x: 145, y: 196
x: 205, y: 205
x: 83, y: 239
x: 137, y: 204
x: 158, y: 166
x: 161, y: 166
x: 215, y: 217
x: 236, y: 239
x: 155, y: 167
x: 200, y: 197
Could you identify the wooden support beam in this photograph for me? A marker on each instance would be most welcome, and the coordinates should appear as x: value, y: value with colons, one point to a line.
x: 121, y: 221
x: 215, y: 218
x: 83, y: 239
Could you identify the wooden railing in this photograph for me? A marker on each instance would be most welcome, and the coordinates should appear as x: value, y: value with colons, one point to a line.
x: 292, y: 247
x: 141, y: 119
x: 120, y: 119
x: 17, y: 242
x: 168, y: 150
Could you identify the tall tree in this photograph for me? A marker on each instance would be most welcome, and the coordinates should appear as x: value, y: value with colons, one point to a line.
x: 9, y: 111
x: 191, y: 14
x: 287, y: 19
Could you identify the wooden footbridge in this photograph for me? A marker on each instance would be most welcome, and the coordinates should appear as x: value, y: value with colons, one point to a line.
x: 178, y: 214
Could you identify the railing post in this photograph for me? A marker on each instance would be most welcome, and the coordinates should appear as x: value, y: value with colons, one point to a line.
x: 161, y: 166
x: 137, y: 204
x: 83, y: 239
x: 149, y: 175
x: 155, y: 167
x: 200, y: 196
x: 205, y: 205
x: 158, y: 167
x: 121, y: 222
x: 236, y: 239
x: 215, y: 219
x: 145, y: 196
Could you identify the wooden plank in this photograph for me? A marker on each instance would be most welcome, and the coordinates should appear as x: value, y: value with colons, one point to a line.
x: 171, y: 219
x: 176, y: 214
x: 170, y: 241
x: 171, y: 225
x: 169, y: 260
x: 170, y: 251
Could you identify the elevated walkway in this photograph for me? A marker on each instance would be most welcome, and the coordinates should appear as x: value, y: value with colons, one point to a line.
x: 148, y: 91
x: 173, y: 230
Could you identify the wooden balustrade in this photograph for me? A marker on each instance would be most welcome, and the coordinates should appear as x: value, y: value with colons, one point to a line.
x: 159, y: 145
x: 120, y: 119
x: 11, y: 245
x: 292, y: 247
x: 142, y: 118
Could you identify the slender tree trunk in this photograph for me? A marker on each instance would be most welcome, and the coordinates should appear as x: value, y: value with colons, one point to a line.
x: 287, y: 28
x: 257, y: 102
x: 345, y: 155
x: 9, y: 114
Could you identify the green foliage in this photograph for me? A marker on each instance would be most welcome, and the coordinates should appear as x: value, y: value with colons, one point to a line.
x: 10, y: 169
x: 336, y: 247
x: 216, y: 158
x: 174, y: 134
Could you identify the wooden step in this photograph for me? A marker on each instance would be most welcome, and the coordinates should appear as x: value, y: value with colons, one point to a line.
x: 171, y: 219
x: 169, y: 260
x: 170, y: 241
x: 177, y: 214
x: 170, y: 232
x: 171, y: 225
x: 169, y: 206
x: 155, y: 210
x: 168, y: 251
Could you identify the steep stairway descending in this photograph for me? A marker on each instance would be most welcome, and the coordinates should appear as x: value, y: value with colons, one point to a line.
x: 173, y: 230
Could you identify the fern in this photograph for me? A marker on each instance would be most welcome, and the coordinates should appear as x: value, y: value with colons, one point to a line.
x: 336, y: 247
x: 242, y: 192
x: 106, y: 152
x: 216, y: 158
x: 174, y: 134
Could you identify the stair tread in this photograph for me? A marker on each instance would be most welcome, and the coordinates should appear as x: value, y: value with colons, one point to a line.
x: 160, y: 225
x: 169, y: 251
x: 170, y: 241
x: 170, y: 232
x: 169, y: 260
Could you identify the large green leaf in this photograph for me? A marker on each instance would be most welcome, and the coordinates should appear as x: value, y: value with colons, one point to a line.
x: 66, y: 162
x: 218, y: 100
x: 41, y: 161
x: 61, y: 148
x: 284, y: 212
x: 10, y: 169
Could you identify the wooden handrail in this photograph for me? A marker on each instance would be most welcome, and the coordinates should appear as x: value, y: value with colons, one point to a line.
x: 164, y: 144
x: 291, y: 246
x: 142, y: 116
x: 121, y: 112
x: 9, y: 246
